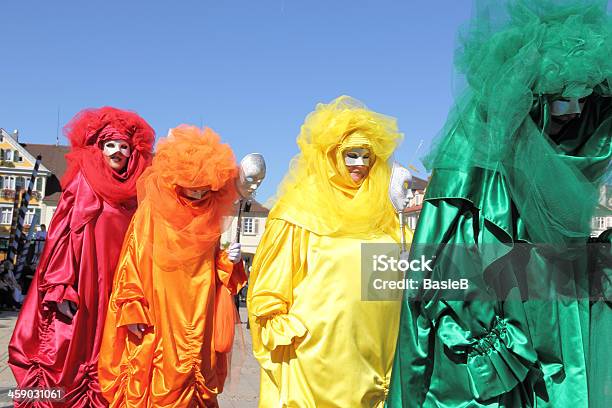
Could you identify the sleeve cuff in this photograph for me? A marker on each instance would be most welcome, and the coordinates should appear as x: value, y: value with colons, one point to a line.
x: 59, y: 293
x: 281, y: 330
x: 499, y: 361
x: 223, y: 263
x: 231, y: 275
x: 133, y: 312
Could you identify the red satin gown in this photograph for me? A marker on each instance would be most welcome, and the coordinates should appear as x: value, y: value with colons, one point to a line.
x: 78, y: 263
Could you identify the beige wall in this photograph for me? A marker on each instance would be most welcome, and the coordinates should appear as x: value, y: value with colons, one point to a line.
x: 249, y: 241
x: 47, y: 214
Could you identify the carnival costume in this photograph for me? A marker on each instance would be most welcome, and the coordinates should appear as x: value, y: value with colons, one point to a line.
x: 171, y: 317
x: 318, y: 342
x: 57, y: 337
x: 516, y: 175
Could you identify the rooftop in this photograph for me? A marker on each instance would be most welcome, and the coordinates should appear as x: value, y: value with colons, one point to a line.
x: 53, y: 159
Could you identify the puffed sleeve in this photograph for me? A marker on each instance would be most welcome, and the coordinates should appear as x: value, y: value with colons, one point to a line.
x: 61, y: 256
x: 279, y: 266
x: 465, y: 346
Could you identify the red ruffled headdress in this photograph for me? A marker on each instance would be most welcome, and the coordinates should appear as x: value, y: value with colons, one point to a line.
x: 91, y: 127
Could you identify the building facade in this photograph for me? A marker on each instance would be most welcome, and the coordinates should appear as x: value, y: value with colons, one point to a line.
x: 16, y: 165
x: 252, y: 228
x: 54, y: 161
x: 602, y: 219
x: 412, y: 212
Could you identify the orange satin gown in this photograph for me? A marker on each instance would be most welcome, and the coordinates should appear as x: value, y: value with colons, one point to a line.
x: 177, y: 363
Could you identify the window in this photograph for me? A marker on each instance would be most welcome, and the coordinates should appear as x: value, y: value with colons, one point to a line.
x: 419, y: 198
x: 6, y: 215
x: 8, y: 155
x: 39, y: 184
x: 30, y: 215
x: 599, y: 223
x: 250, y: 226
x: 602, y: 222
x: 411, y: 221
x: 16, y: 156
x: 9, y: 182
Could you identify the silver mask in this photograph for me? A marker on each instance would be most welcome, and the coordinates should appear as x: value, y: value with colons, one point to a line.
x: 400, y: 192
x: 252, y: 171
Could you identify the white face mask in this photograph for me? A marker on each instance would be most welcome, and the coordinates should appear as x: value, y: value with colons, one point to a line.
x: 113, y: 146
x: 357, y: 156
x: 560, y: 107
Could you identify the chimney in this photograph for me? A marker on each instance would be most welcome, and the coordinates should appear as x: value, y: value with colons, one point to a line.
x: 16, y: 135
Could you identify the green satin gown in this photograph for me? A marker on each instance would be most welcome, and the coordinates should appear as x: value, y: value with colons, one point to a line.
x: 508, y: 207
x: 527, y: 344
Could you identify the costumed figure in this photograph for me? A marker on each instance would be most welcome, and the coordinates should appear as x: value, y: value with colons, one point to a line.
x: 318, y: 343
x: 171, y: 316
x: 58, y: 334
x: 516, y: 175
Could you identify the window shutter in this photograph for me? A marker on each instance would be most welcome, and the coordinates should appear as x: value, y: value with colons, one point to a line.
x: 255, y: 226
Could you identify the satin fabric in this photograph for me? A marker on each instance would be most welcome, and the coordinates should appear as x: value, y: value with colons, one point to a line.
x: 318, y: 343
x: 508, y: 352
x: 176, y: 363
x: 48, y: 349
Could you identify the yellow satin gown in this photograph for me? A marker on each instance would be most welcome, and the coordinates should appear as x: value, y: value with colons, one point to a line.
x: 318, y: 343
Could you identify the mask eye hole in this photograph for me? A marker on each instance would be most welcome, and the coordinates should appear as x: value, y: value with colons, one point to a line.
x: 352, y: 155
x: 124, y: 146
x: 110, y: 144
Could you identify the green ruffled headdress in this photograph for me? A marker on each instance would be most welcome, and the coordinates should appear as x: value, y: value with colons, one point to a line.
x: 518, y: 56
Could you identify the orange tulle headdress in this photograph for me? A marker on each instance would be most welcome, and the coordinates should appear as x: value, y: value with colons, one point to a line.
x: 183, y: 229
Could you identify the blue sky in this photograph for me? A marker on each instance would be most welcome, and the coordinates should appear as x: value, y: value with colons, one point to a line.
x: 251, y: 70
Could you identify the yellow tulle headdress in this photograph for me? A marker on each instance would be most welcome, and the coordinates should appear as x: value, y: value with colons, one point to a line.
x: 318, y: 193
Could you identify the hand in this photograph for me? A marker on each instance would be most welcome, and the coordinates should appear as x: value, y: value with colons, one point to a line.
x: 137, y: 329
x: 233, y: 253
x: 65, y: 308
